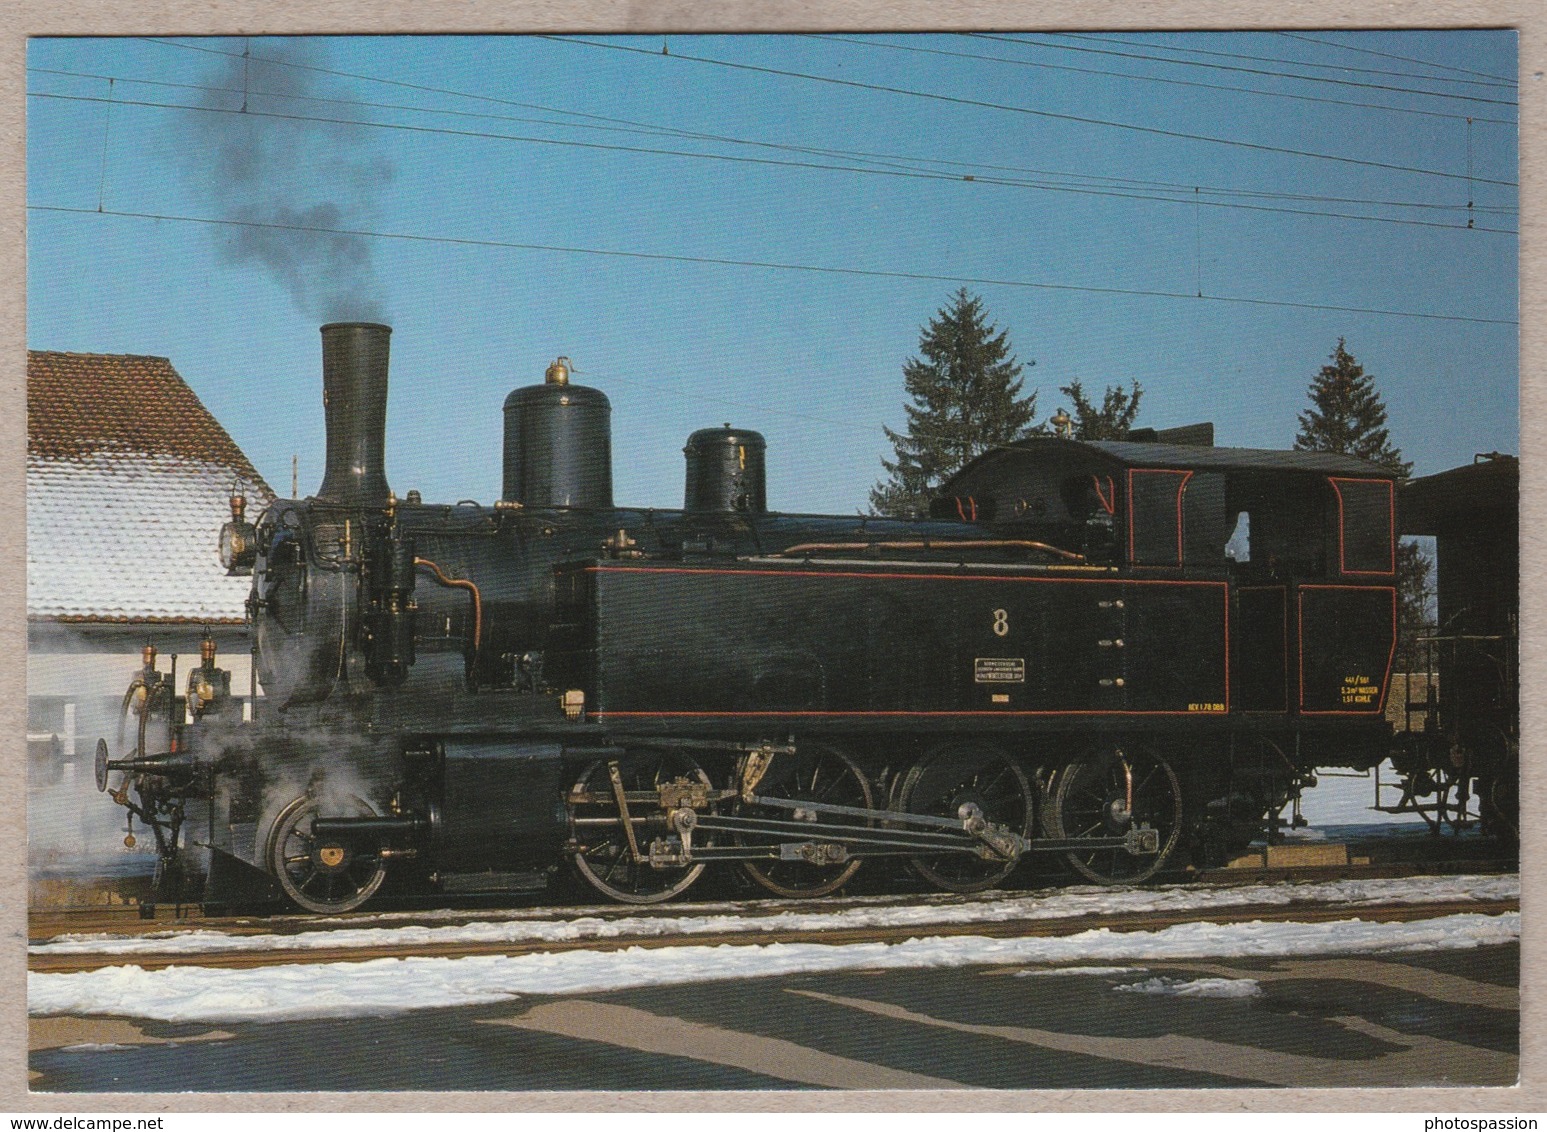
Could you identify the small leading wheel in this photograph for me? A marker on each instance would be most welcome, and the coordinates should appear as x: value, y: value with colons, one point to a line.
x: 953, y: 777
x: 606, y: 856
x: 814, y: 773
x: 1091, y: 800
x: 324, y: 876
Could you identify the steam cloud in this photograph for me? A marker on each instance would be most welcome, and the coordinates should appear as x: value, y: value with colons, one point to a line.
x: 287, y: 179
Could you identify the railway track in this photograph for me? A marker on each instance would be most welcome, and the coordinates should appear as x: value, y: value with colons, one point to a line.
x: 271, y: 954
x: 132, y: 917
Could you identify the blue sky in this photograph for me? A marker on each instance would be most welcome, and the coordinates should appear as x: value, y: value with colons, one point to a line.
x: 587, y: 195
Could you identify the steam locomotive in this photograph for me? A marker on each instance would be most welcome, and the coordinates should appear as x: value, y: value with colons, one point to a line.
x: 1117, y: 654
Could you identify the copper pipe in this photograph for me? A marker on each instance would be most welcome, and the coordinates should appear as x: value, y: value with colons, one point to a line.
x: 1128, y: 779
x: 937, y: 544
x: 461, y: 584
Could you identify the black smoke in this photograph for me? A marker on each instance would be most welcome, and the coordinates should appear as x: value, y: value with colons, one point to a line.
x: 298, y: 190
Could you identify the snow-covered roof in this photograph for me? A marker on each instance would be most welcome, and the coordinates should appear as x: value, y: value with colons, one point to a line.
x: 128, y: 482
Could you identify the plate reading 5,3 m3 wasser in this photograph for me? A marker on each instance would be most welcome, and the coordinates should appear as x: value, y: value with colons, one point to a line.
x: 999, y: 670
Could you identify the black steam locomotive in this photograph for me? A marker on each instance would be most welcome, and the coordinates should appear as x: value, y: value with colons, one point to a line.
x: 1102, y: 651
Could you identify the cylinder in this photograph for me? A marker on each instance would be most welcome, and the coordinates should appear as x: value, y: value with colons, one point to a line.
x: 558, y: 447
x: 725, y: 471
x: 354, y: 399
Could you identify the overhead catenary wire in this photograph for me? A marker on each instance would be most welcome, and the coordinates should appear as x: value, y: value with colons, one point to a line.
x: 681, y: 57
x: 922, y: 94
x: 603, y: 118
x: 1085, y: 181
x: 1247, y: 70
x: 772, y: 265
x: 1157, y: 78
x: 1501, y: 83
x: 915, y: 174
x: 1404, y: 58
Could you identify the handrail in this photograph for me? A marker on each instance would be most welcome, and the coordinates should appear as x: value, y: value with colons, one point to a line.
x: 934, y: 544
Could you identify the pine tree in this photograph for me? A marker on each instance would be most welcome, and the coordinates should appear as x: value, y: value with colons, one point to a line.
x: 966, y: 391
x: 1112, y: 420
x: 1348, y: 415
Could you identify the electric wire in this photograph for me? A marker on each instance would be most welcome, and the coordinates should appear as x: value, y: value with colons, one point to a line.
x: 679, y: 56
x: 772, y: 265
x: 926, y: 175
x: 904, y: 161
x: 1159, y: 79
x: 893, y: 90
x: 1245, y: 70
x: 1502, y: 83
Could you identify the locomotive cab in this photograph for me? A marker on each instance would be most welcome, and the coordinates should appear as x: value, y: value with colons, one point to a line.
x: 1293, y: 650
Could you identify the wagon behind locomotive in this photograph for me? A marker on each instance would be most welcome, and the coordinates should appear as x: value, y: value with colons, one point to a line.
x: 1459, y: 748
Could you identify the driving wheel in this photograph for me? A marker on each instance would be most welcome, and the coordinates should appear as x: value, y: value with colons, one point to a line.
x: 948, y: 781
x: 1091, y: 799
x: 815, y: 772
x: 611, y: 855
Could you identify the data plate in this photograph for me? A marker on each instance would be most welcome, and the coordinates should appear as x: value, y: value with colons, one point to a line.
x: 999, y: 670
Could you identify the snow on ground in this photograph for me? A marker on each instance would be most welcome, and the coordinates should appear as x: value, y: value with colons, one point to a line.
x: 389, y: 986
x: 1195, y: 988
x: 1344, y: 797
x: 997, y: 907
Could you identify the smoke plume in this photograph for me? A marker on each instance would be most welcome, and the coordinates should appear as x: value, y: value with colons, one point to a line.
x: 291, y: 184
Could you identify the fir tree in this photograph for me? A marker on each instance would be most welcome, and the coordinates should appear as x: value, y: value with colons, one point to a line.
x: 1112, y: 420
x: 1348, y: 415
x: 966, y: 391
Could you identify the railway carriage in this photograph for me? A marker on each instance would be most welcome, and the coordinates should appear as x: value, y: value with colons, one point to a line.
x: 1458, y: 751
x: 1115, y: 655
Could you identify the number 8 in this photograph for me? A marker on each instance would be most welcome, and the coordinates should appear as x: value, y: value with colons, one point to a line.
x: 1001, y: 623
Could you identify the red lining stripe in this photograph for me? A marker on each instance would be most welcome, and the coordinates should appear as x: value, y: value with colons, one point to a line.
x: 1180, y: 489
x: 872, y: 714
x: 1109, y: 500
x: 1391, y: 527
x: 1224, y: 593
x: 1380, y: 708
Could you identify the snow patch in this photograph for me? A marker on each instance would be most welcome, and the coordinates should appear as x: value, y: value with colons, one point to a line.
x: 992, y: 908
x: 1195, y: 988
x: 1078, y: 971
x: 390, y: 986
x: 130, y: 535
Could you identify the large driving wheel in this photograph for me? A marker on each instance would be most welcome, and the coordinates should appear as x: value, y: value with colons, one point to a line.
x: 606, y: 856
x: 950, y: 779
x: 1090, y: 799
x: 815, y: 772
x: 325, y: 876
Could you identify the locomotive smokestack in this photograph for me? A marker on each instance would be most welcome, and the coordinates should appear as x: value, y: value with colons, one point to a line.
x: 354, y: 397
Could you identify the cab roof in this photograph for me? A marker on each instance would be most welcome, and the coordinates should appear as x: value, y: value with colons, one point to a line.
x: 1140, y: 454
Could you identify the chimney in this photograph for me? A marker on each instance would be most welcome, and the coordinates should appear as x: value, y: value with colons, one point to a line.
x: 354, y: 398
